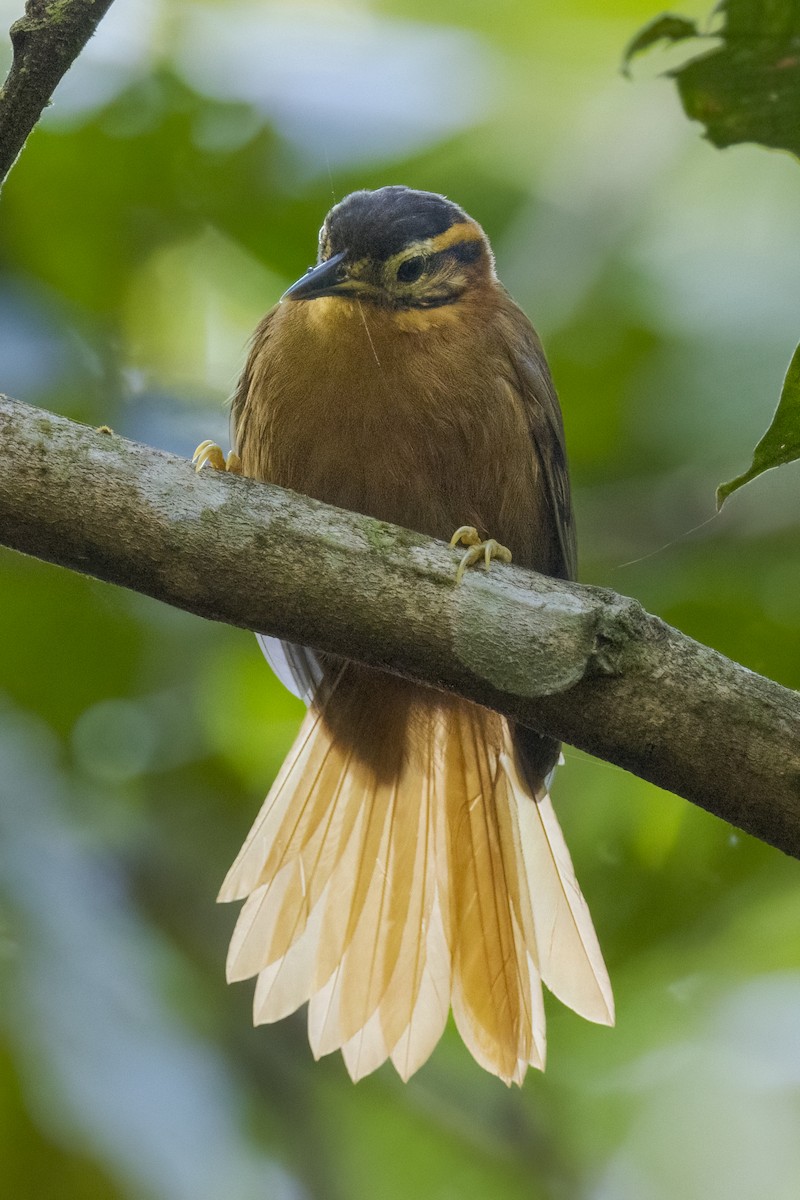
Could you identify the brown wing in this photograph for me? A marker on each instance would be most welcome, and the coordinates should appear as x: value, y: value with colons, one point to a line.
x: 543, y: 411
x: 538, y: 755
x: 297, y: 667
x: 242, y: 398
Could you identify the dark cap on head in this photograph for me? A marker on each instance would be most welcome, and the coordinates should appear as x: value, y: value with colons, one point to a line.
x: 378, y: 224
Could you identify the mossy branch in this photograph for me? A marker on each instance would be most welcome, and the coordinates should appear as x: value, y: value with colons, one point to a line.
x: 46, y: 41
x: 581, y: 664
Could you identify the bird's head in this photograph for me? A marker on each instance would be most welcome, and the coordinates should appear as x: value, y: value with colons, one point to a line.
x: 399, y: 249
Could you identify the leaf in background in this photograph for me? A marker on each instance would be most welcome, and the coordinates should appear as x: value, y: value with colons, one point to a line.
x: 781, y: 443
x: 748, y: 88
x: 666, y: 28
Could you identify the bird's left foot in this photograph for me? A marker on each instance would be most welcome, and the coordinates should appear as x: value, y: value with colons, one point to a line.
x: 209, y: 452
x: 467, y: 535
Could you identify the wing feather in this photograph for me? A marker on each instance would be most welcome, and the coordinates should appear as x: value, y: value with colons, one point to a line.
x: 527, y: 367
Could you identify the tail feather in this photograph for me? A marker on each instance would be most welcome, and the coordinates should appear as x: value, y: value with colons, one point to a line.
x: 300, y: 854
x: 377, y: 941
x: 274, y: 918
x: 366, y: 1050
x: 385, y: 898
x: 356, y: 934
x: 256, y: 861
x: 287, y: 983
x: 417, y: 999
x: 359, y: 904
x: 379, y: 965
x: 428, y: 1015
x: 569, y: 954
x: 490, y: 986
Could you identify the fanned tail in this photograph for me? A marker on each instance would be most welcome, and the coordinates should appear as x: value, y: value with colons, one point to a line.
x: 386, y: 891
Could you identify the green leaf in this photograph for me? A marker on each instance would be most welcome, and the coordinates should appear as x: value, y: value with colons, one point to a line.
x: 666, y: 28
x: 781, y: 443
x: 747, y: 89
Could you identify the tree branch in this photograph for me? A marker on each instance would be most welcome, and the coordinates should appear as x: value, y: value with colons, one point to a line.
x: 579, y: 663
x: 46, y: 42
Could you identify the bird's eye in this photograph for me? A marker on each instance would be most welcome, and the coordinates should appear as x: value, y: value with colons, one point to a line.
x: 410, y: 270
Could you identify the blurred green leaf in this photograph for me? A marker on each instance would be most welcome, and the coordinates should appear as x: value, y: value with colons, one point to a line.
x: 747, y: 89
x: 781, y: 443
x: 665, y: 28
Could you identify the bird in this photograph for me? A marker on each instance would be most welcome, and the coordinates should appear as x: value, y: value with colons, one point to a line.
x: 407, y: 861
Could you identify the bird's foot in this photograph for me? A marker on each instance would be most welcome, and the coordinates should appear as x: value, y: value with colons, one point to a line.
x: 209, y: 452
x: 467, y: 535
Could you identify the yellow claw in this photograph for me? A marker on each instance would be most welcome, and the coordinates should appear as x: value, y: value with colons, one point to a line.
x: 209, y: 452
x: 467, y: 535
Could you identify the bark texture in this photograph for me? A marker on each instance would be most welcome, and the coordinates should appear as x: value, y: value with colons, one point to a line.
x: 581, y: 664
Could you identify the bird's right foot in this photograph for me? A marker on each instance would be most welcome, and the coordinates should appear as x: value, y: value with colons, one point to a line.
x: 467, y: 535
x: 209, y: 452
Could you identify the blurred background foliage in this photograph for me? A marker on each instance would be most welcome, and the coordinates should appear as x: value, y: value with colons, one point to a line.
x: 170, y: 194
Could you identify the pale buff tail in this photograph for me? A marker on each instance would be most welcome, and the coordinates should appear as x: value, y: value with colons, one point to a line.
x: 387, y: 901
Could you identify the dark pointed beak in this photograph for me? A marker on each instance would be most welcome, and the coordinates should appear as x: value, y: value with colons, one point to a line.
x: 323, y: 280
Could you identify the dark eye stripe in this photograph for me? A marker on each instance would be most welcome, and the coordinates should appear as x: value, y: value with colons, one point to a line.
x: 465, y: 252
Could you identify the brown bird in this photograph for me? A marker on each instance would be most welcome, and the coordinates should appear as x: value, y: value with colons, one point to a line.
x: 407, y: 859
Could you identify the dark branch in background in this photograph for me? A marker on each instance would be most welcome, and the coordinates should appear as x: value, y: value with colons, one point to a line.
x: 46, y: 42
x: 579, y: 663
